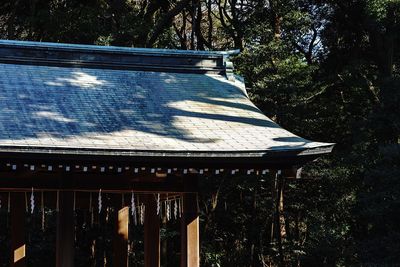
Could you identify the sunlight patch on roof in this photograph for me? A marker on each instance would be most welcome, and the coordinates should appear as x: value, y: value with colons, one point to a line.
x: 79, y: 79
x: 52, y: 116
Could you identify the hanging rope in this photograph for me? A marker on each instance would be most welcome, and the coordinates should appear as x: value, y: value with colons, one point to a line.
x: 74, y: 206
x: 42, y: 209
x: 58, y: 201
x: 26, y: 203
x: 8, y: 202
x: 170, y: 206
x: 91, y: 210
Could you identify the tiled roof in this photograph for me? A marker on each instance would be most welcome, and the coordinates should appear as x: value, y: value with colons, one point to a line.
x: 131, y: 112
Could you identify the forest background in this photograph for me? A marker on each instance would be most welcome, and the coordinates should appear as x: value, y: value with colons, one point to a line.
x: 326, y: 70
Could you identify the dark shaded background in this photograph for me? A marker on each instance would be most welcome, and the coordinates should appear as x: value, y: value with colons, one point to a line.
x: 326, y: 70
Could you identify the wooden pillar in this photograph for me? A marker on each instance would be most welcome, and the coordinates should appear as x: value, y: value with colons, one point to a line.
x: 65, y: 230
x: 121, y: 236
x: 151, y: 233
x: 190, y: 240
x: 18, y: 246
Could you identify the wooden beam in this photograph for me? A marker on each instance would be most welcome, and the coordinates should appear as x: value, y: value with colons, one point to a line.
x: 65, y: 230
x: 121, y: 236
x: 18, y: 245
x: 190, y: 240
x: 78, y: 181
x: 151, y: 233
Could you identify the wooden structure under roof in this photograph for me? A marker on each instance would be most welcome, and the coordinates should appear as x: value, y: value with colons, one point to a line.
x: 78, y: 118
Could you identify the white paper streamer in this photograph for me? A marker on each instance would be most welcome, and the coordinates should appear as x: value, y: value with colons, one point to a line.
x: 158, y: 204
x: 142, y: 211
x: 133, y: 209
x: 32, y: 202
x: 100, y: 201
x: 175, y: 209
x: 165, y: 207
x: 168, y: 210
x: 180, y: 207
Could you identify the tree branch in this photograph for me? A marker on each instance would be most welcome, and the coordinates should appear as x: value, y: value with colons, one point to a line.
x: 165, y: 20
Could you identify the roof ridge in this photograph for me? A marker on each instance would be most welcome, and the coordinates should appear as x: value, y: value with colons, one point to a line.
x: 61, y: 54
x: 111, y: 48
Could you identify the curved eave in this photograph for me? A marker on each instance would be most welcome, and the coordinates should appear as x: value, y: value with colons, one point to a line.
x: 264, y: 158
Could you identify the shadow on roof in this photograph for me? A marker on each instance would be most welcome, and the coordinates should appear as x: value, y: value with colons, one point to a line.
x: 56, y: 102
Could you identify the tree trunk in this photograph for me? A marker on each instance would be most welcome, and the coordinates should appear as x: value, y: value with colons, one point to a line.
x: 280, y: 219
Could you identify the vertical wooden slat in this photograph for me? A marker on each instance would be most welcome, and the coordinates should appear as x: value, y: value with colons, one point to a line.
x: 151, y: 233
x: 18, y: 246
x: 65, y: 231
x: 190, y: 240
x: 121, y: 236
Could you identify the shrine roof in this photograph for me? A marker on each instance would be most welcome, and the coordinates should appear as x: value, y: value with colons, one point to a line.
x: 91, y: 100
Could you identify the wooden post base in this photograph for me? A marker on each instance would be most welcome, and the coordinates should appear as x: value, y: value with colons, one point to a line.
x: 190, y: 240
x: 65, y: 230
x: 151, y: 233
x: 121, y: 236
x: 18, y: 246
